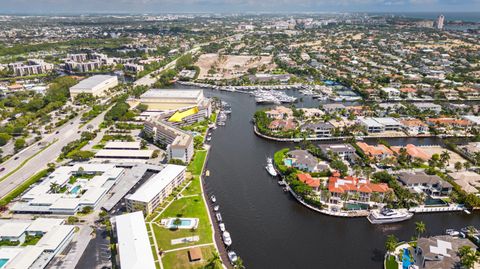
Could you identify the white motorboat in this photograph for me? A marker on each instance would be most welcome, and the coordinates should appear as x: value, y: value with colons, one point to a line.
x: 227, y: 239
x: 219, y: 217
x: 216, y: 208
x: 232, y: 256
x: 270, y: 169
x: 222, y: 227
x: 387, y: 215
x: 452, y: 232
x: 213, y: 199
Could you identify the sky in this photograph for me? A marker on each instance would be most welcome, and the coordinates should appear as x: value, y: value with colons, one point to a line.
x: 165, y: 6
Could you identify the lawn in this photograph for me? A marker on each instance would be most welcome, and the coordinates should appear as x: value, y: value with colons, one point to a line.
x: 179, y: 259
x: 193, y: 188
x: 390, y: 263
x: 188, y: 207
x: 195, y: 167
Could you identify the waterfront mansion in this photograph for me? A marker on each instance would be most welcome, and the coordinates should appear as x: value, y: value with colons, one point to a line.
x: 353, y: 188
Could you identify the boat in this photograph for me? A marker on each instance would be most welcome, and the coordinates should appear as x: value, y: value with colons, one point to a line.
x: 222, y: 227
x: 282, y: 183
x: 452, y: 232
x: 387, y: 215
x: 213, y: 199
x: 207, y: 173
x: 216, y: 208
x: 227, y: 239
x: 219, y: 217
x: 467, y: 212
x: 270, y: 168
x: 209, y: 139
x: 232, y: 256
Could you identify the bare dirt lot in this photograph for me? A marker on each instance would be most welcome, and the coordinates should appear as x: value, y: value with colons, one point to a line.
x: 231, y: 66
x: 454, y: 157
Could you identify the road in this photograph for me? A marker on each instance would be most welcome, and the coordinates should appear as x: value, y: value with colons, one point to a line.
x: 149, y: 79
x: 66, y: 134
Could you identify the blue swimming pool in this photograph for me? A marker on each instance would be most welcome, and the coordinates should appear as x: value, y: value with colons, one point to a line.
x: 406, y: 259
x: 3, y: 262
x: 287, y: 162
x: 75, y: 190
x: 185, y: 223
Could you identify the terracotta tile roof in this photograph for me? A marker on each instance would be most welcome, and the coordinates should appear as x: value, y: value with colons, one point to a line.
x: 351, y: 184
x: 309, y: 180
x: 374, y: 151
x: 414, y: 152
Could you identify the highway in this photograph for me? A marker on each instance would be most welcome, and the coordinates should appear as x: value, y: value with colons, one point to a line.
x: 67, y: 133
x: 149, y: 79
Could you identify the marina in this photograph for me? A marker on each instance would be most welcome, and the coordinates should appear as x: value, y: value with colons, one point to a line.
x: 250, y: 200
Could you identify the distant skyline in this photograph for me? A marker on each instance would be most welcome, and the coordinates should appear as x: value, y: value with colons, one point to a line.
x: 165, y: 6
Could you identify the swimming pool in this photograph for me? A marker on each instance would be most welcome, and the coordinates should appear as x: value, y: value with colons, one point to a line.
x: 355, y: 206
x: 288, y: 162
x: 435, y: 202
x: 407, y: 259
x: 3, y: 262
x: 75, y: 189
x: 185, y: 223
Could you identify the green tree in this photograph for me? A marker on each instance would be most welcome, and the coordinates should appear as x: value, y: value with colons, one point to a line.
x: 391, y: 243
x: 458, y: 166
x: 214, y: 262
x: 19, y: 143
x: 468, y: 256
x: 238, y: 264
x: 4, y: 138
x: 420, y: 228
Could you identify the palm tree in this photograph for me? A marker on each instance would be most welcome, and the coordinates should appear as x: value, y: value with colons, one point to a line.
x: 214, y: 261
x: 391, y: 243
x: 420, y: 228
x: 238, y: 264
x: 445, y: 157
x: 54, y: 187
x: 468, y: 257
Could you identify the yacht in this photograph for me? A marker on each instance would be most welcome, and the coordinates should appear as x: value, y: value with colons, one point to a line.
x: 270, y: 169
x: 222, y: 227
x: 213, y: 199
x: 387, y: 215
x: 216, y: 208
x: 226, y: 238
x: 219, y: 217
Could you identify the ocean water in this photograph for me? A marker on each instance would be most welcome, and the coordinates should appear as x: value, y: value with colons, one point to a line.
x: 449, y: 16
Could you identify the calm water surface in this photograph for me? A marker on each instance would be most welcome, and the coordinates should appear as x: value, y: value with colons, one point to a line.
x: 270, y: 229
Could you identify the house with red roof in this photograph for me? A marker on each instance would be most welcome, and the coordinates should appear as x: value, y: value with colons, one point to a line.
x: 355, y: 188
x: 379, y: 152
x: 413, y: 151
x: 282, y: 125
x: 310, y: 181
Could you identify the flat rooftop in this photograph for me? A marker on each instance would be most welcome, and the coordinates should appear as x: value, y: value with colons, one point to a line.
x: 122, y: 145
x: 127, y: 154
x: 133, y: 243
x: 172, y: 94
x: 157, y: 183
x: 92, y: 82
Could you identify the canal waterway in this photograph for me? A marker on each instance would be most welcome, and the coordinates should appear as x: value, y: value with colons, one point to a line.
x: 270, y: 229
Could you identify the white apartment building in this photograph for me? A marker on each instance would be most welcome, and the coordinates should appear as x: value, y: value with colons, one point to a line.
x: 156, y: 189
